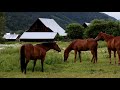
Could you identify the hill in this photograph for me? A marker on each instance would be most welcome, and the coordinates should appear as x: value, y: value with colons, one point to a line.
x: 21, y: 21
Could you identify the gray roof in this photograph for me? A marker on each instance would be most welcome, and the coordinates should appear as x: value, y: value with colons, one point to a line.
x: 50, y: 23
x: 38, y: 35
x: 10, y: 36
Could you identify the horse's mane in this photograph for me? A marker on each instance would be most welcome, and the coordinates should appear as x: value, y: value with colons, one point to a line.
x: 47, y: 44
x: 44, y: 45
x: 108, y: 35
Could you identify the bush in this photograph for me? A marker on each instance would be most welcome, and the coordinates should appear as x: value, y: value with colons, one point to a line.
x: 74, y: 31
x: 59, y: 38
x: 2, y: 41
x: 107, y: 26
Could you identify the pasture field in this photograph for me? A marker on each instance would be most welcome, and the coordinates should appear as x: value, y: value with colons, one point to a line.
x: 55, y: 67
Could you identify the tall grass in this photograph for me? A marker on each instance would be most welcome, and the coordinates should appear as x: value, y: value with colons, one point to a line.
x: 54, y: 65
x: 9, y: 59
x: 101, y: 44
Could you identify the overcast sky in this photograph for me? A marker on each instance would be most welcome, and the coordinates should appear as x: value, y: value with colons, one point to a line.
x: 114, y: 14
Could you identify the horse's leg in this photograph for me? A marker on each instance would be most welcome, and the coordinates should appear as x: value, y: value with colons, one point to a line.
x: 109, y: 51
x: 75, y: 56
x: 34, y: 65
x: 27, y: 60
x: 42, y: 65
x: 93, y: 58
x: 95, y: 54
x: 42, y: 60
x: 115, y: 56
x: 118, y: 51
x: 80, y: 55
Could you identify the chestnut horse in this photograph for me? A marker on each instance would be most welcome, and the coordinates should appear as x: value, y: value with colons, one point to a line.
x: 113, y: 44
x: 29, y: 52
x: 79, y: 45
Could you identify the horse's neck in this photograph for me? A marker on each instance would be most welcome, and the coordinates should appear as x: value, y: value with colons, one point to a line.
x: 107, y: 37
x: 47, y: 47
x: 68, y: 49
x: 44, y: 47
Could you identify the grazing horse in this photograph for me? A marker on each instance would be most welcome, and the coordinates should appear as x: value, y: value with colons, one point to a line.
x: 113, y: 44
x: 29, y: 52
x: 79, y: 45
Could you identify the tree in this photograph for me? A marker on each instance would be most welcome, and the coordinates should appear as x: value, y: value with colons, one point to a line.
x: 2, y: 26
x: 59, y: 38
x: 2, y: 22
x: 98, y: 25
x: 74, y: 31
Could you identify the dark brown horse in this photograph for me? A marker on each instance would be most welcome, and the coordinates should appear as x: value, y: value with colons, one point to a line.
x: 29, y: 52
x: 113, y: 44
x: 82, y: 45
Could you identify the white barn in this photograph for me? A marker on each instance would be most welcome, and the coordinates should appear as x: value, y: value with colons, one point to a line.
x: 43, y: 29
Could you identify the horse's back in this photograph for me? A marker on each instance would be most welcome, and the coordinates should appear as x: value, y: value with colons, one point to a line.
x: 85, y: 44
x: 79, y: 43
x: 92, y: 42
x: 88, y: 42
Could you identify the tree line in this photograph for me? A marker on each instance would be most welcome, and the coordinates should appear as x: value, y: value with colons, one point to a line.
x: 77, y: 31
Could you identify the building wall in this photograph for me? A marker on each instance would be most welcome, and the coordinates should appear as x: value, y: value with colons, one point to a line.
x: 38, y: 26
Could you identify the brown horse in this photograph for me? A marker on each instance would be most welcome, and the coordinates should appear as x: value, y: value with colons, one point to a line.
x: 29, y: 52
x: 79, y: 45
x: 113, y: 44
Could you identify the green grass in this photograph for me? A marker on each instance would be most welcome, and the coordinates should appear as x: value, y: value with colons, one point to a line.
x: 55, y: 67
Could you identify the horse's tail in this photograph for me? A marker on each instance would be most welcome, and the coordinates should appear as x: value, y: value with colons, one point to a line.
x: 22, y: 57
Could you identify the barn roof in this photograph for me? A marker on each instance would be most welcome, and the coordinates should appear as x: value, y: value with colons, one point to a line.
x: 10, y: 36
x: 38, y: 35
x: 87, y: 23
x: 50, y: 23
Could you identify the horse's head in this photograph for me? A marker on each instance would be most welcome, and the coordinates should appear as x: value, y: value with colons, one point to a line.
x: 99, y: 36
x: 56, y: 47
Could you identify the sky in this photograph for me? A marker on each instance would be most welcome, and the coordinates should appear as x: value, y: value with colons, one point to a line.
x: 113, y: 14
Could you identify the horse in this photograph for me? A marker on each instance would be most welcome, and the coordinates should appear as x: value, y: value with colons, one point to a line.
x: 113, y: 44
x: 79, y: 45
x: 33, y: 52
